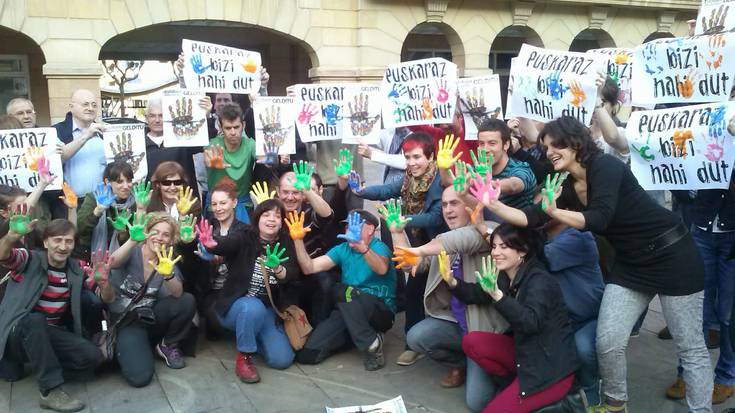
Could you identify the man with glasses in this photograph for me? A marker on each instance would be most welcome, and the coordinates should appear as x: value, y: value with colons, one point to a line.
x: 83, y: 153
x: 23, y: 110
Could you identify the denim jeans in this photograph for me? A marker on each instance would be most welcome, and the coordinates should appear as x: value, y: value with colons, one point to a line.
x: 256, y: 330
x: 719, y: 288
x: 619, y: 310
x: 588, y: 374
x: 441, y: 341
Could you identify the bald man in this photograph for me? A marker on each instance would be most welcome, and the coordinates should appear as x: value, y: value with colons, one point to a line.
x: 83, y: 153
x: 23, y: 110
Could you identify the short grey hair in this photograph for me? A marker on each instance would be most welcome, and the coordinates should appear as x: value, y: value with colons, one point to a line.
x: 154, y: 101
x: 13, y: 101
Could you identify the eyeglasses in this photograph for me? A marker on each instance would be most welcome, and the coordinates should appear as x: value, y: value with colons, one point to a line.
x: 170, y: 182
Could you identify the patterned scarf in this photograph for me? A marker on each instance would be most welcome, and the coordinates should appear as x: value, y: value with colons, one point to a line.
x: 413, y: 190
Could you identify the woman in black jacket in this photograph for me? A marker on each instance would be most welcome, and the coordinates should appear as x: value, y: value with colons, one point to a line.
x: 249, y: 257
x: 539, y: 352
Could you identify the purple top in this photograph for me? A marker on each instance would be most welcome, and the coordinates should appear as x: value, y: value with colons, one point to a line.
x: 457, y: 306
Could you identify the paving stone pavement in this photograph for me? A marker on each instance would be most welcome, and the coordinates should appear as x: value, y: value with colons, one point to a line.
x: 208, y: 383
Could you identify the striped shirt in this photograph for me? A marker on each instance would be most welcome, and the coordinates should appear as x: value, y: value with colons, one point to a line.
x: 54, y: 300
x: 522, y: 171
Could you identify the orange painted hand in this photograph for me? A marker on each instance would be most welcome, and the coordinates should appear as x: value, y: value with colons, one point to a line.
x: 680, y: 138
x: 447, y: 146
x: 295, y: 224
x: 69, y: 198
x: 685, y: 87
x: 405, y: 257
x: 32, y: 156
x: 214, y: 157
x: 249, y: 66
x: 578, y: 95
x: 621, y: 58
x: 428, y: 111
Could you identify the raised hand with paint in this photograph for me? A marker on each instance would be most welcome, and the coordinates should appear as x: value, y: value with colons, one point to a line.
x: 460, y: 176
x: 550, y: 192
x: 260, y: 194
x: 295, y: 224
x: 122, y: 219
x: 137, y: 228
x: 485, y: 189
x: 214, y: 157
x: 488, y: 278
x: 355, y: 183
x: 103, y: 195
x: 405, y: 257
x: 185, y: 200
x: 205, y: 233
x: 391, y: 212
x: 186, y: 228
x: 483, y: 162
x: 447, y: 146
x: 142, y: 192
x: 343, y: 165
x: 303, y: 173
x: 166, y: 262
x: 273, y: 257
x: 353, y: 234
x: 44, y: 172
x: 99, y: 268
x: 69, y: 198
x: 20, y: 220
x: 445, y: 269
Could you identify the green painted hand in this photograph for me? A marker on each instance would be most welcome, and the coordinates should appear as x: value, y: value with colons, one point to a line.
x: 459, y: 176
x: 483, y: 162
x: 273, y: 257
x: 343, y: 166
x: 122, y: 219
x: 137, y: 229
x: 303, y: 173
x: 488, y: 278
x: 142, y: 193
x: 20, y: 220
x: 391, y: 212
x: 548, y: 192
x: 186, y: 228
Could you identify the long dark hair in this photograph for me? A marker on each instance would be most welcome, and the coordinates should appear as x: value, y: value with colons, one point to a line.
x: 568, y: 132
x: 521, y: 239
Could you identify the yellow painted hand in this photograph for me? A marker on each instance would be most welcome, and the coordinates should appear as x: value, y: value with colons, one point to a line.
x: 447, y: 146
x: 184, y: 201
x: 165, y: 265
x: 260, y: 193
x: 445, y: 270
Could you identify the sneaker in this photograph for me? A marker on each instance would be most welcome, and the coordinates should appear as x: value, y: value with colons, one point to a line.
x: 635, y: 333
x: 171, y: 355
x: 607, y: 408
x: 245, y: 369
x: 664, y: 334
x: 677, y: 391
x: 374, y: 358
x: 713, y: 339
x: 454, y: 378
x: 721, y: 392
x: 408, y: 357
x: 60, y: 401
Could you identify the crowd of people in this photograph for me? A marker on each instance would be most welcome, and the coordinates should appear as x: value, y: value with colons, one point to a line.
x: 524, y: 257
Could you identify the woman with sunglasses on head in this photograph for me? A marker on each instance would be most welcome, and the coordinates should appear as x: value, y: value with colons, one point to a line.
x: 655, y: 255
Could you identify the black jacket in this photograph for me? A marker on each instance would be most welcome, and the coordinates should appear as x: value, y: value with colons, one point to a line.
x: 542, y: 332
x: 240, y: 248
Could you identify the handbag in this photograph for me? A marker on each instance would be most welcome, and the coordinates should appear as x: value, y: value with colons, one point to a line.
x: 295, y: 324
x: 106, y: 340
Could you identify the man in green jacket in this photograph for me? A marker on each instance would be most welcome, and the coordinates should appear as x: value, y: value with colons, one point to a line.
x: 40, y: 315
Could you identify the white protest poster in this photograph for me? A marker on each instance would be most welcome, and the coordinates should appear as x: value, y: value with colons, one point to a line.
x: 684, y: 70
x: 715, y: 17
x: 363, y: 112
x: 211, y: 67
x: 126, y: 142
x: 184, y: 121
x: 689, y: 147
x: 548, y: 84
x: 275, y: 128
x: 13, y: 169
x: 479, y: 99
x: 419, y: 92
x: 394, y: 405
x: 620, y: 68
x: 319, y: 111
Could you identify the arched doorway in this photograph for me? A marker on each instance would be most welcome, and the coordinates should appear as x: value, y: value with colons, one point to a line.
x: 21, y: 73
x: 591, y: 39
x: 505, y: 47
x: 431, y: 40
x: 657, y: 35
x: 287, y: 59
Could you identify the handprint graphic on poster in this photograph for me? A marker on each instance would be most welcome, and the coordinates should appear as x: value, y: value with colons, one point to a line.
x: 479, y: 100
x: 274, y: 127
x: 182, y: 120
x: 361, y: 123
x: 126, y: 143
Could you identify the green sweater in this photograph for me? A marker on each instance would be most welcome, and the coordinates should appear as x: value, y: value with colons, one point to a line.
x: 241, y: 164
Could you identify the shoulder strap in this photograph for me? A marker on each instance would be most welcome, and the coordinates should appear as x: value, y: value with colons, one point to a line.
x: 136, y: 298
x: 267, y: 281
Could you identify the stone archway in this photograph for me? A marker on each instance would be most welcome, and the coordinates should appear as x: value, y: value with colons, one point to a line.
x: 21, y: 72
x: 505, y: 47
x: 431, y: 39
x: 591, y: 39
x: 657, y: 35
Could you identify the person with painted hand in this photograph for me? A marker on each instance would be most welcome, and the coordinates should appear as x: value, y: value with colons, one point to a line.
x: 103, y: 217
x: 41, y: 313
x: 365, y: 300
x: 539, y: 353
x: 239, y: 299
x: 144, y: 270
x: 655, y: 255
x: 452, y: 258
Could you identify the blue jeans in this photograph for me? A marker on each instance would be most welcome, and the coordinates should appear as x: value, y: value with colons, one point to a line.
x: 441, y: 341
x: 589, y: 378
x: 256, y: 331
x: 719, y: 288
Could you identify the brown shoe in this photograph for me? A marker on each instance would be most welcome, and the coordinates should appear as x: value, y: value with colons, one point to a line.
x: 454, y: 378
x: 713, y: 339
x: 721, y: 392
x: 678, y: 390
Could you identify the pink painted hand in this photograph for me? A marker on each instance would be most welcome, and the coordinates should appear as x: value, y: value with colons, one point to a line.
x: 204, y: 231
x: 485, y: 189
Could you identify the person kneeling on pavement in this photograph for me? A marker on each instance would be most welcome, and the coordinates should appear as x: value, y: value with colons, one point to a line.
x: 40, y: 314
x: 365, y: 299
